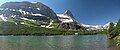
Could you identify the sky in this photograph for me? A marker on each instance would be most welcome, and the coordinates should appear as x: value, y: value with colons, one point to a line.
x: 93, y: 12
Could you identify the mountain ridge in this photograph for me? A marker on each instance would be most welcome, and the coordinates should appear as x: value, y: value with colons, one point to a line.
x: 95, y: 27
x: 37, y: 13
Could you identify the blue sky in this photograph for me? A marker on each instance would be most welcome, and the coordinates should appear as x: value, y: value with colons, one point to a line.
x: 85, y: 11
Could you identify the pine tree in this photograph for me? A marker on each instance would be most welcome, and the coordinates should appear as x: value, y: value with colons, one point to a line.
x: 118, y: 24
x: 111, y: 27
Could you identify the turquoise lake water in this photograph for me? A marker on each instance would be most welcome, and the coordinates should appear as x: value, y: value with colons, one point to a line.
x: 72, y: 42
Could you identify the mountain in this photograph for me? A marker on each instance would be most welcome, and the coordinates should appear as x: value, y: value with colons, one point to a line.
x: 106, y: 26
x: 96, y: 27
x: 66, y: 17
x: 67, y: 20
x: 25, y: 7
x: 68, y: 13
x: 36, y: 14
x: 28, y: 13
x: 92, y: 27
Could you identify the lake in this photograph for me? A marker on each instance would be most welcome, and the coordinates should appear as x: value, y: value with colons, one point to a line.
x: 71, y: 42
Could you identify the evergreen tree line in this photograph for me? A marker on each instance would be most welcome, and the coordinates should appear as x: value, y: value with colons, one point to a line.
x: 114, y: 30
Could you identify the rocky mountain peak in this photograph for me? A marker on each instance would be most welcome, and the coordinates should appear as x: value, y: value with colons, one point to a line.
x: 68, y: 13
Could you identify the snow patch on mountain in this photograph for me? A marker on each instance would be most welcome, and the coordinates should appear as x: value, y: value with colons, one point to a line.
x: 21, y: 11
x: 3, y: 18
x: 49, y: 26
x: 65, y: 18
x: 38, y: 8
x: 86, y: 25
x: 37, y: 14
x: 28, y: 19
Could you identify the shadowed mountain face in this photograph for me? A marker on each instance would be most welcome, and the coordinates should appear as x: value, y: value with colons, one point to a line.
x: 29, y: 8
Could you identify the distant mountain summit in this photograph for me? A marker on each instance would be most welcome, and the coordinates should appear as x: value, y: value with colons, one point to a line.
x: 66, y: 17
x: 68, y: 13
x: 96, y: 27
x: 68, y: 20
